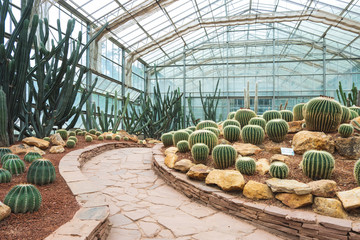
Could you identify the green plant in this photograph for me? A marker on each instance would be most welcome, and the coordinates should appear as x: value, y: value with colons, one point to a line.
x: 298, y: 112
x: 346, y: 130
x: 73, y: 138
x: 224, y: 156
x: 200, y: 152
x: 189, y: 131
x: 23, y: 198
x: 117, y: 137
x: 98, y: 133
x: 47, y: 139
x: 345, y: 117
x: 41, y: 172
x: 245, y: 165
x: 192, y: 128
x: 258, y: 121
x: 70, y: 143
x: 287, y: 115
x: 231, y: 122
x: 183, y: 146
x: 317, y: 164
x: 4, y: 150
x: 356, y: 109
x: 4, y: 136
x: 63, y: 133
x: 279, y: 170
x: 214, y: 130
x: 126, y: 139
x: 89, y: 138
x: 101, y: 138
x: 210, y: 103
x: 352, y: 96
x: 357, y: 171
x: 72, y: 133
x: 253, y: 134
x: 8, y: 156
x: 243, y: 116
x: 271, y: 114
x: 31, y: 156
x: 14, y: 165
x: 5, y: 176
x: 92, y: 131
x: 323, y: 114
x: 203, y: 136
x: 232, y: 133
x: 167, y: 139
x: 304, y: 110
x: 206, y: 123
x: 79, y: 133
x: 353, y: 114
x: 231, y: 115
x: 180, y: 135
x: 108, y: 137
x: 277, y: 129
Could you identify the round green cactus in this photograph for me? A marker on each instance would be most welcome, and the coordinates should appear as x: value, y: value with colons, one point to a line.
x: 180, y: 135
x: 31, y: 156
x: 46, y: 139
x: 4, y: 150
x: 357, y: 171
x: 72, y: 133
x: 346, y: 130
x: 63, y: 133
x: 224, y: 155
x: 200, y: 152
x: 245, y: 165
x: 88, y: 138
x: 243, y: 116
x: 214, y: 130
x: 108, y: 137
x: 345, y: 117
x: 183, y: 146
x: 192, y: 128
x: 232, y: 133
x: 126, y: 138
x: 167, y: 139
x: 117, y: 138
x: 73, y: 138
x: 15, y: 166
x: 189, y: 131
x: 70, y: 143
x: 41, y: 172
x: 287, y: 115
x: 206, y: 123
x: 279, y: 170
x: 231, y: 122
x: 258, y: 121
x: 304, y: 110
x: 79, y: 133
x: 23, y: 198
x: 5, y: 176
x: 231, y: 115
x: 356, y: 109
x: 97, y: 133
x: 271, y: 114
x: 323, y: 114
x: 92, y: 131
x: 277, y: 129
x: 9, y: 156
x: 101, y: 138
x: 203, y: 136
x: 253, y: 134
x: 353, y: 114
x: 298, y: 112
x: 317, y: 164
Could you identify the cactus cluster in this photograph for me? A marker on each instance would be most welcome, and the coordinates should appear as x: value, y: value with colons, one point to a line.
x: 15, y: 166
x: 346, y: 130
x: 9, y: 156
x: 243, y: 116
x: 23, y: 198
x: 232, y: 133
x: 70, y: 143
x: 287, y: 115
x: 231, y: 122
x: 252, y: 134
x: 183, y: 146
x: 203, y: 136
x: 271, y: 114
x: 31, y: 156
x: 317, y: 164
x: 41, y: 172
x: 167, y: 139
x: 279, y: 170
x: 180, y: 135
x: 5, y: 176
x: 277, y: 129
x: 200, y: 152
x: 298, y: 112
x: 345, y: 117
x: 245, y: 165
x: 258, y: 121
x: 224, y: 156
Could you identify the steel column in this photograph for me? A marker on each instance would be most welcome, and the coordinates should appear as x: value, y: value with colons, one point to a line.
x: 184, y: 87
x: 88, y: 73
x: 324, y: 67
x: 273, y: 70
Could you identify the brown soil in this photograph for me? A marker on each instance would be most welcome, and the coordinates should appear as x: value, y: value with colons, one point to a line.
x: 58, y: 204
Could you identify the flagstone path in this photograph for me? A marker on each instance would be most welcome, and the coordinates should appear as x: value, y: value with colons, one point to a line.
x: 142, y: 206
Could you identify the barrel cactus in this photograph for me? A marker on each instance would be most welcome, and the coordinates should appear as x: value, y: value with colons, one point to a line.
x: 214, y: 130
x: 323, y: 114
x: 304, y: 110
x: 5, y: 176
x: 232, y: 133
x: 357, y: 171
x: 203, y: 136
x: 126, y: 138
x: 287, y: 115
x: 23, y: 198
x: 271, y: 114
x: 70, y: 143
x: 317, y: 164
x: 107, y: 137
x: 243, y: 116
x: 180, y: 135
x: 253, y: 134
x: 231, y: 115
x: 277, y: 129
x: 346, y: 130
x: 345, y: 117
x: 46, y: 139
x: 189, y: 131
x: 41, y: 172
x: 183, y: 146
x: 31, y: 156
x: 92, y: 131
x: 101, y: 138
x: 72, y: 133
x: 200, y: 152
x: 245, y: 165
x: 117, y: 137
x: 353, y: 114
x: 63, y: 133
x: 4, y: 150
x: 279, y: 170
x: 356, y: 109
x: 167, y: 139
x: 298, y: 112
x: 258, y: 121
x: 8, y: 156
x: 230, y: 122
x: 192, y: 128
x: 206, y: 123
x: 88, y: 138
x: 15, y: 166
x: 73, y: 138
x: 97, y: 133
x: 224, y: 156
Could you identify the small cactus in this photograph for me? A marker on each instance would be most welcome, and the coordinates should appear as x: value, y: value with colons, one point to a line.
x: 245, y: 165
x: 200, y: 152
x: 9, y: 156
x: 4, y: 150
x: 41, y: 172
x: 277, y: 129
x: 100, y: 138
x: 192, y: 128
x: 345, y: 117
x: 183, y: 146
x: 206, y: 123
x: 232, y: 133
x: 353, y: 114
x: 79, y: 133
x: 243, y: 116
x: 287, y: 115
x: 31, y: 156
x: 279, y: 170
x: 46, y: 139
x: 72, y: 133
x: 258, y: 121
x: 298, y: 112
x: 126, y: 138
x: 224, y: 156
x: 5, y: 176
x: 92, y: 131
x: 203, y: 136
x: 271, y: 114
x: 97, y: 133
x: 73, y: 138
x: 357, y: 171
x: 346, y: 130
x: 117, y: 138
x: 70, y: 143
x: 252, y: 134
x: 167, y: 139
x: 63, y: 133
x: 231, y: 122
x: 15, y: 166
x: 108, y: 137
x: 214, y: 130
x: 231, y: 115
x: 23, y: 198
x: 317, y: 164
x: 88, y: 138
x: 180, y: 135
x: 356, y: 109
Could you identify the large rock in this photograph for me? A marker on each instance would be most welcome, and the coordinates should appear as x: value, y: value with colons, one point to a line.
x: 24, y: 148
x: 227, y: 180
x: 280, y: 158
x: 306, y: 140
x: 38, y: 142
x: 246, y: 149
x: 255, y: 190
x: 57, y: 149
x: 348, y: 147
x: 357, y: 119
x: 350, y: 199
x: 295, y: 201
x: 134, y: 138
x: 183, y: 165
x: 262, y: 166
x: 329, y: 207
x: 295, y: 126
x: 275, y: 148
x: 36, y: 149
x: 288, y: 186
x: 199, y: 172
x: 57, y: 140
x: 171, y: 150
x: 323, y: 188
x: 170, y: 160
x: 4, y: 211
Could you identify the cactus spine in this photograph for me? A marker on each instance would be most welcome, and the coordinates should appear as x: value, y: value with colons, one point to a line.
x: 243, y: 116
x: 317, y: 164
x: 224, y: 156
x: 245, y: 165
x: 346, y: 130
x: 287, y: 115
x: 8, y: 156
x: 357, y: 171
x: 70, y: 143
x: 203, y: 136
x: 15, y: 166
x: 200, y: 152
x: 231, y: 122
x: 345, y: 117
x: 167, y: 139
x: 258, y: 121
x: 298, y: 112
x: 232, y: 133
x: 23, y: 198
x: 4, y: 136
x: 5, y: 176
x: 183, y: 146
x: 279, y: 170
x: 206, y: 123
x: 271, y: 114
x: 41, y: 172
x: 277, y: 129
x: 180, y: 135
x: 252, y: 134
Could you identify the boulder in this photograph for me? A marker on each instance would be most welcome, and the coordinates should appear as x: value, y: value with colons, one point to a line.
x: 275, y: 148
x: 257, y: 191
x: 295, y: 126
x: 38, y: 142
x: 171, y: 150
x: 329, y: 207
x: 280, y: 158
x: 57, y: 149
x: 348, y: 147
x: 35, y: 149
x: 227, y: 180
x: 306, y: 140
x: 224, y: 141
x: 293, y: 200
x: 152, y: 141
x: 199, y: 172
x: 170, y: 160
x: 288, y: 186
x: 133, y: 138
x: 183, y: 165
x: 262, y: 166
x: 323, y: 188
x: 19, y: 148
x: 357, y: 119
x: 246, y: 149
x: 57, y: 140
x: 350, y: 199
x: 4, y: 211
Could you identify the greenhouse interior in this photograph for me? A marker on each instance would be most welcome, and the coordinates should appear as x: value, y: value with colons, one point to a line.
x: 179, y: 119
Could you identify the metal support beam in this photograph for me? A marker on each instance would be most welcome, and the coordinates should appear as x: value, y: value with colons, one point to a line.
x: 122, y: 81
x: 184, y: 88
x: 273, y: 70
x: 88, y: 74
x: 146, y: 82
x: 324, y: 66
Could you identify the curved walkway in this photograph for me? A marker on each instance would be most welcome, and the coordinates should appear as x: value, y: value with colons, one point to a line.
x: 142, y: 206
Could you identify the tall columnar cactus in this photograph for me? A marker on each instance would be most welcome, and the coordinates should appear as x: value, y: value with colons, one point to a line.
x: 31, y: 156
x: 63, y: 133
x: 183, y: 146
x: 346, y: 130
x: 345, y: 117
x: 41, y: 172
x: 231, y: 115
x: 258, y: 121
x: 15, y: 166
x: 256, y: 99
x: 317, y: 164
x: 351, y: 98
x: 4, y: 150
x: 180, y: 135
x: 243, y: 116
x: 224, y: 156
x: 298, y: 112
x: 203, y: 136
x: 253, y: 134
x: 287, y: 115
x: 23, y: 198
x: 357, y: 171
x: 356, y: 109
x: 279, y: 170
x: 200, y: 152
x: 214, y: 130
x: 323, y: 114
x: 245, y: 165
x: 210, y: 103
x: 353, y: 114
x: 277, y: 129
x: 5, y: 176
x: 271, y: 114
x: 231, y: 122
x: 9, y: 156
x: 167, y: 139
x: 4, y: 136
x: 232, y: 133
x: 206, y: 123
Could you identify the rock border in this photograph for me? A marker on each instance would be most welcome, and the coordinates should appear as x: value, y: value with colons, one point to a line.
x: 292, y: 224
